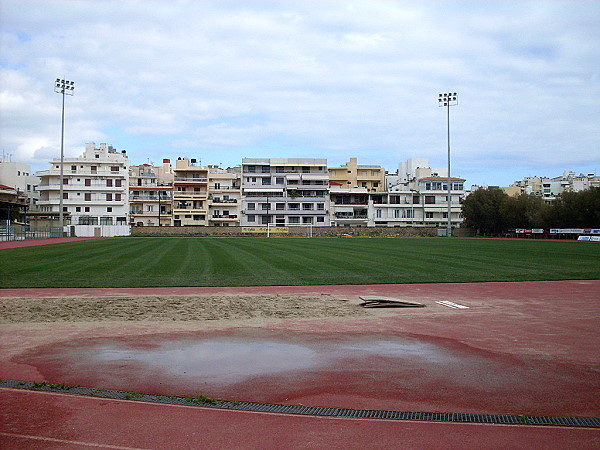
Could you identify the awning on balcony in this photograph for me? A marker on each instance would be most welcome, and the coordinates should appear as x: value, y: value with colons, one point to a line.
x: 314, y: 177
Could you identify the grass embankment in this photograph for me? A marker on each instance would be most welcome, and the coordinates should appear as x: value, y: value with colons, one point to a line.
x: 130, y: 262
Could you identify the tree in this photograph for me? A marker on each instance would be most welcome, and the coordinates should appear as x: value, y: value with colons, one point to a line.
x: 485, y: 210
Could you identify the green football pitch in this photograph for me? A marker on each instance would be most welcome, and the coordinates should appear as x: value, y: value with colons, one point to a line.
x: 139, y: 262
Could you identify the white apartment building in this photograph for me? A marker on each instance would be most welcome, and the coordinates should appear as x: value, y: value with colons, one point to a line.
x: 224, y: 196
x: 418, y: 196
x: 151, y: 194
x: 19, y: 177
x: 95, y: 192
x: 285, y: 192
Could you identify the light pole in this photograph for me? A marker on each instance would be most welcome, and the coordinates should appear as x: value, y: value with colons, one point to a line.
x: 447, y: 100
x: 64, y: 87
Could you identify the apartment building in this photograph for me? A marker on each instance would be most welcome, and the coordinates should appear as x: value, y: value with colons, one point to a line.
x: 352, y: 175
x: 224, y: 196
x: 550, y: 188
x: 18, y: 191
x: 151, y: 194
x: 95, y: 191
x: 285, y: 192
x: 190, y: 193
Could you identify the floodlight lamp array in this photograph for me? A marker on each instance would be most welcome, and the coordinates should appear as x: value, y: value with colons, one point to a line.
x: 448, y: 99
x: 64, y: 86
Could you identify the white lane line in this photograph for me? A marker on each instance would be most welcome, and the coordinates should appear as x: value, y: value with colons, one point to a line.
x: 452, y: 304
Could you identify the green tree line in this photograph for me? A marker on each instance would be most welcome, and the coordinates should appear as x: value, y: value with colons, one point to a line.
x: 492, y: 211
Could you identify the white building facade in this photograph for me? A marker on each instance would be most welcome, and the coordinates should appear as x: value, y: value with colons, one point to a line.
x: 285, y: 192
x: 95, y: 192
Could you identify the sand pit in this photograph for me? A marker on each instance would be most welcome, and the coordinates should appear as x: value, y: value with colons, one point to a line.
x: 178, y: 308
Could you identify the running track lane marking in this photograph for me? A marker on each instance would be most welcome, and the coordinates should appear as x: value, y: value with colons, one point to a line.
x: 67, y: 441
x: 452, y: 304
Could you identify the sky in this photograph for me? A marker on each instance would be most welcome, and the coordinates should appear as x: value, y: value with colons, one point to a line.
x: 222, y: 80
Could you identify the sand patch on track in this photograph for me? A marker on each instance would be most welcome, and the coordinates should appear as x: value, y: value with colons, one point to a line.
x: 175, y: 308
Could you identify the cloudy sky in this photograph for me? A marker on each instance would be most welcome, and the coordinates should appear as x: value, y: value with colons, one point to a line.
x: 222, y: 80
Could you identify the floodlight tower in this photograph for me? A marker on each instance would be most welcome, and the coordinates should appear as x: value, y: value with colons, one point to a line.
x: 64, y: 87
x: 447, y: 100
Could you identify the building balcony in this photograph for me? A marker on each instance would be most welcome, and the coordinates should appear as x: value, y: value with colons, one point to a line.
x: 180, y: 180
x: 180, y: 195
x: 223, y: 217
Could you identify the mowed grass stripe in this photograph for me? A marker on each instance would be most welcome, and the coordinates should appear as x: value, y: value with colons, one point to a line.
x: 138, y: 262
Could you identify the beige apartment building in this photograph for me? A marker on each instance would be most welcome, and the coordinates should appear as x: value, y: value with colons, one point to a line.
x: 352, y: 175
x: 151, y: 194
x: 190, y: 193
x: 224, y: 196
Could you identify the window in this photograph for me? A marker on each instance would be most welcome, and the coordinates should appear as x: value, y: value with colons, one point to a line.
x: 117, y: 197
x: 109, y: 182
x: 266, y: 181
x: 252, y: 169
x: 106, y: 220
x: 88, y: 182
x: 279, y: 206
x: 97, y: 156
x: 279, y: 180
x: 415, y: 200
x: 307, y: 220
x: 410, y: 213
x: 109, y: 197
x: 307, y: 206
x: 121, y: 220
x: 376, y: 184
x: 86, y: 209
x: 150, y: 208
x: 88, y: 197
x: 305, y: 169
x: 65, y: 195
x: 429, y: 199
x: 378, y: 213
x: 94, y: 169
x: 321, y: 206
x: 266, y: 169
x: 114, y: 168
x: 279, y: 169
x: 295, y: 206
x: 109, y: 209
x: 84, y: 220
x: 65, y: 181
x: 73, y: 168
x: 294, y: 220
x: 265, y: 206
x: 397, y: 214
x: 320, y: 219
x: 428, y: 215
x: 78, y: 209
x: 251, y: 218
x: 251, y: 206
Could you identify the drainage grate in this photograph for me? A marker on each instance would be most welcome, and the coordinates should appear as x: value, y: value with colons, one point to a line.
x: 509, y: 419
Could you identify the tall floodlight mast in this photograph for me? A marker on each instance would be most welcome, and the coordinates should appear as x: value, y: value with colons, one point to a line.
x: 64, y: 87
x: 447, y: 100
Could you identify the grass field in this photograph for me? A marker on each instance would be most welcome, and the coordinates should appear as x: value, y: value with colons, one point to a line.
x: 131, y: 262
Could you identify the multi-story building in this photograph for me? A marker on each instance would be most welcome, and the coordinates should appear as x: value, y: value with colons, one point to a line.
x: 224, y: 196
x: 18, y: 191
x: 190, y: 193
x: 151, y: 194
x: 285, y: 191
x: 352, y: 175
x: 95, y: 191
x: 349, y: 207
x: 417, y: 195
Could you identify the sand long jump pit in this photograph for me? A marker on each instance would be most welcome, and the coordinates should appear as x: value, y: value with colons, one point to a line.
x: 511, y: 350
